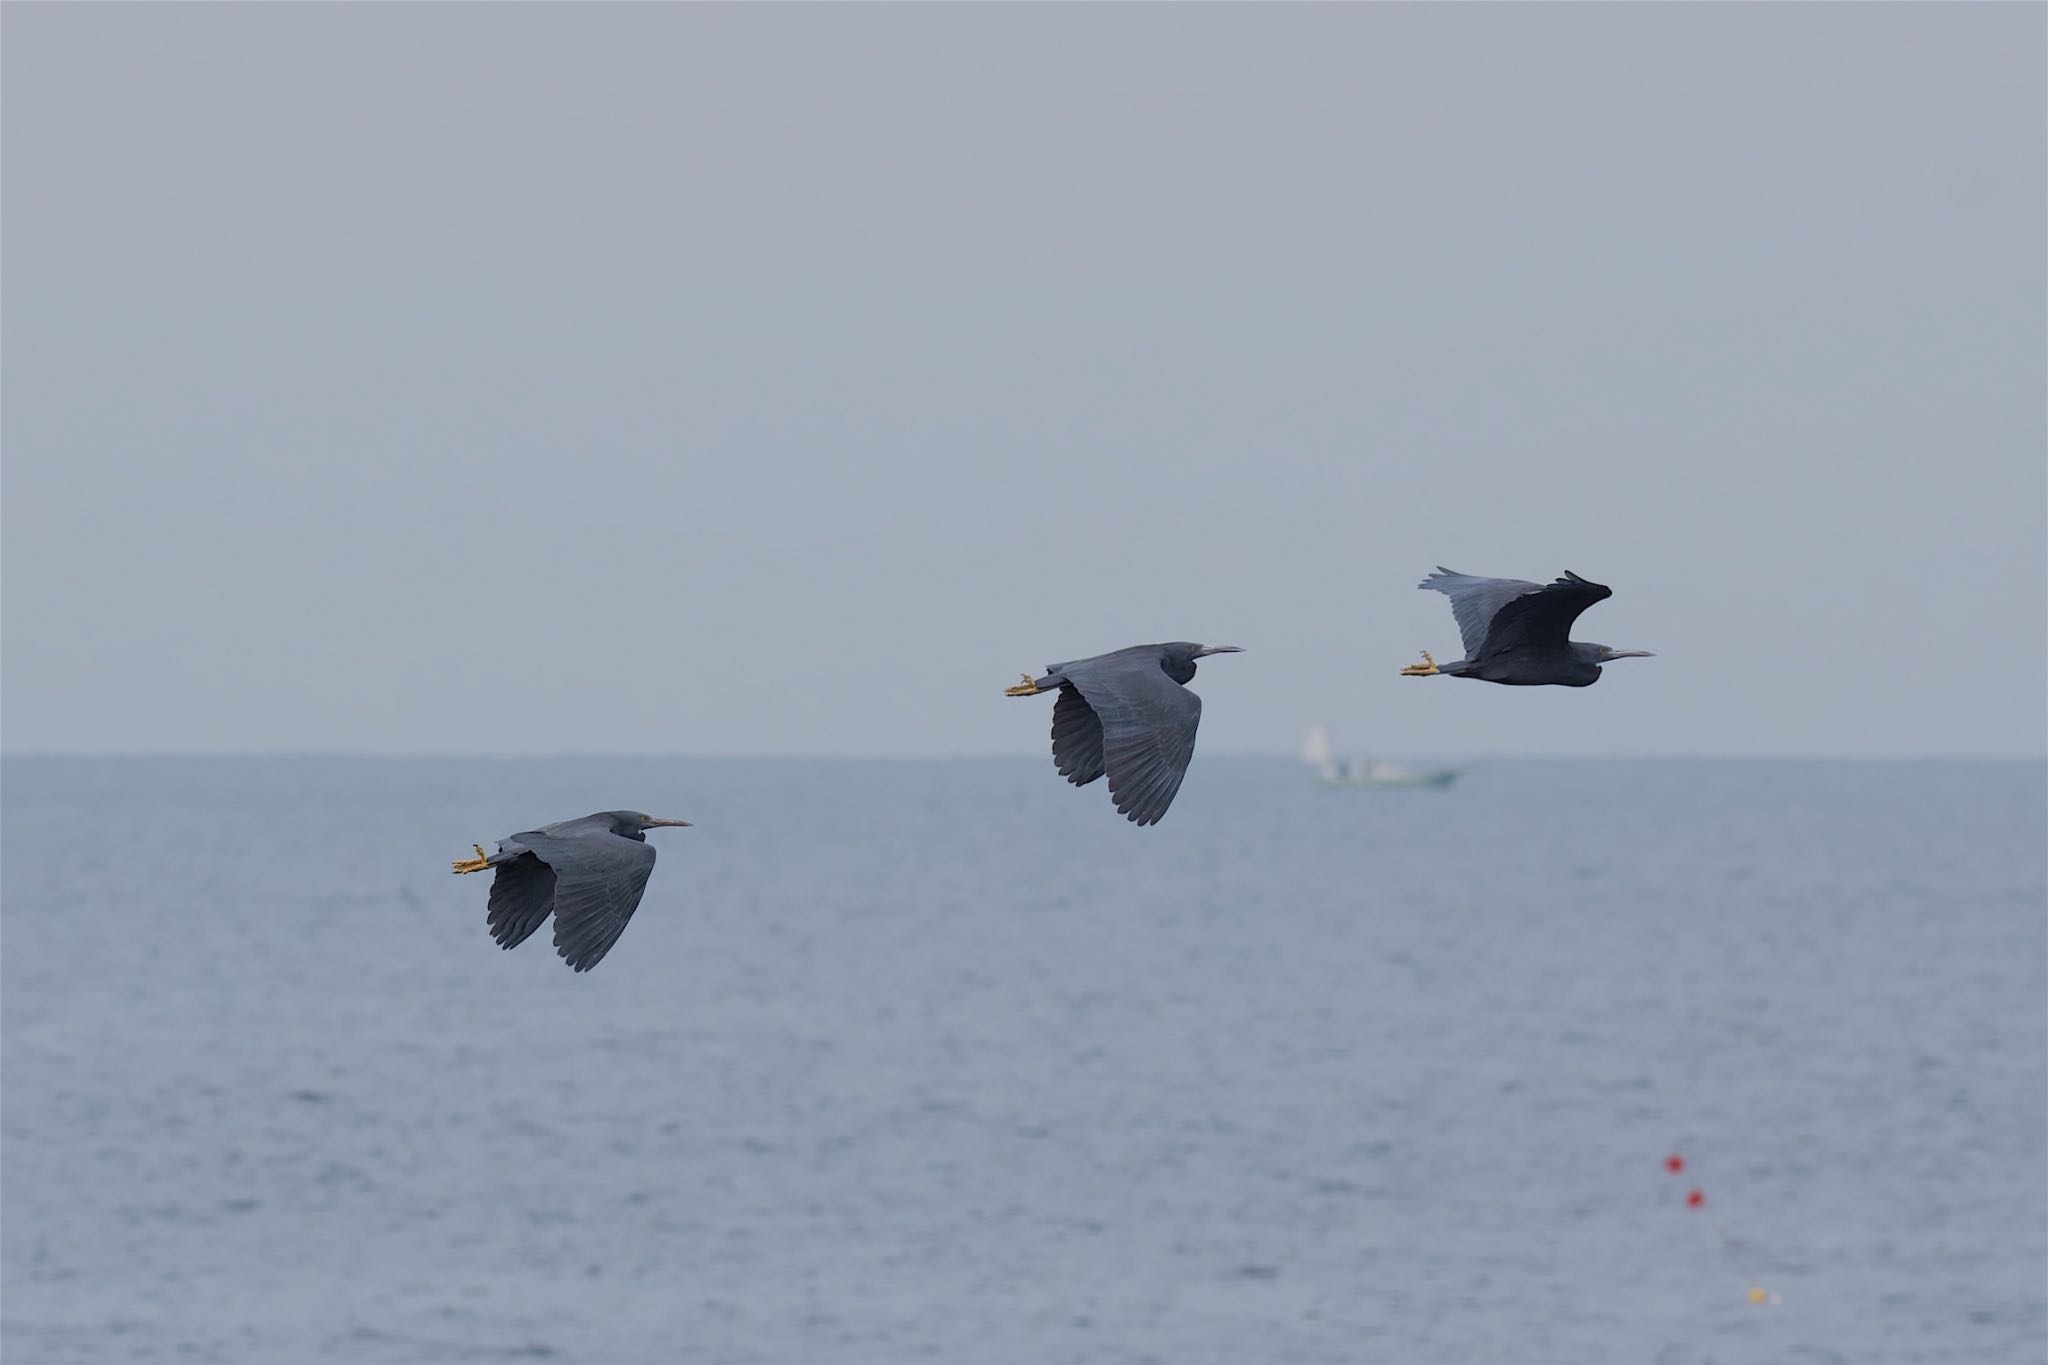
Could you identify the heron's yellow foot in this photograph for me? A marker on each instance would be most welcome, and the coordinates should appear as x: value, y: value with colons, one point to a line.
x: 1027, y: 688
x: 1421, y: 670
x: 481, y: 861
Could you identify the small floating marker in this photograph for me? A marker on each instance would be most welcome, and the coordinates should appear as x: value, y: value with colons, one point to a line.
x: 1696, y: 1198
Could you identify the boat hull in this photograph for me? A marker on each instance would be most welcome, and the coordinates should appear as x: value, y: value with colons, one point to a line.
x: 1441, y: 778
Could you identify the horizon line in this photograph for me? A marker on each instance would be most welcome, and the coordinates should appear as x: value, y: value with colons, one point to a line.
x: 395, y: 756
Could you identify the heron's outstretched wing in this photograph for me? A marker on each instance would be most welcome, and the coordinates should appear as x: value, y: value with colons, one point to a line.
x: 1076, y: 737
x: 1476, y: 601
x: 1148, y: 731
x: 599, y: 878
x: 522, y: 894
x: 1542, y: 620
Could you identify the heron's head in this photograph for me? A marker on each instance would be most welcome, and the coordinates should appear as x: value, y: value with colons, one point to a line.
x: 1608, y: 653
x: 1179, y: 662
x: 638, y: 822
x: 1181, y: 656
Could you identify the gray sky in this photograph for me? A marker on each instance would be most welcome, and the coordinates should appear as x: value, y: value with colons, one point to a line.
x: 539, y: 378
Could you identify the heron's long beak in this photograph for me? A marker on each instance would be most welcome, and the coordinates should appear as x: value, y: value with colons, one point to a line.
x: 655, y: 824
x: 1219, y: 649
x: 1631, y: 654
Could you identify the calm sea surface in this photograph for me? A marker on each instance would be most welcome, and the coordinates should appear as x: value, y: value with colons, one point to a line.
x: 943, y: 1061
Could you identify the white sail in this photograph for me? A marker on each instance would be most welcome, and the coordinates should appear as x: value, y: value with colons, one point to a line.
x: 1317, y: 752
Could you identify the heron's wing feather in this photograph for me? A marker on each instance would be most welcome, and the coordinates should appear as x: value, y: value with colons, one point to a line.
x: 1148, y: 733
x: 1076, y: 737
x: 1542, y: 620
x: 522, y: 894
x: 1476, y: 601
x: 599, y: 879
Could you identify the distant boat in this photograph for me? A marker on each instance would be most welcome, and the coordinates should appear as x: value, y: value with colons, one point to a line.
x: 1333, y: 771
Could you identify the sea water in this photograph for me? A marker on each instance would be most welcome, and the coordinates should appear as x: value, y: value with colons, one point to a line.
x: 943, y: 1061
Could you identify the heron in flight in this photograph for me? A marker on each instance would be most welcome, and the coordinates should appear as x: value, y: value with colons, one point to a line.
x: 1514, y: 631
x: 1128, y: 714
x: 588, y: 873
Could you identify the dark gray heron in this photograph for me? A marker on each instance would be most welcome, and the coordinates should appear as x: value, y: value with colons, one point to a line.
x: 1514, y: 631
x: 588, y: 873
x: 1127, y: 714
